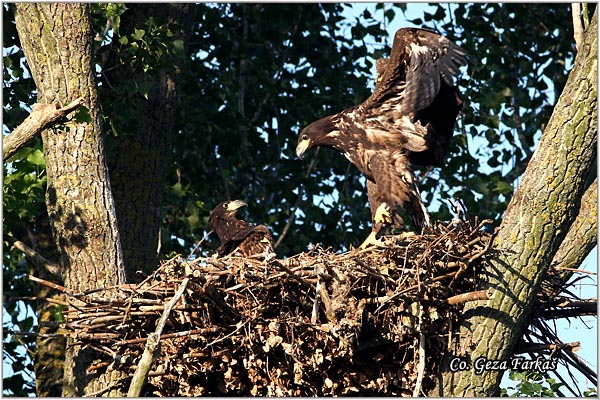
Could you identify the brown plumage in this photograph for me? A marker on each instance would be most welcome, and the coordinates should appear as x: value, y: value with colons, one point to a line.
x: 409, y: 119
x: 238, y: 236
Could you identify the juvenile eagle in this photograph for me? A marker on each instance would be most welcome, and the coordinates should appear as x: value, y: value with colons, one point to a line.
x: 238, y: 236
x: 409, y: 119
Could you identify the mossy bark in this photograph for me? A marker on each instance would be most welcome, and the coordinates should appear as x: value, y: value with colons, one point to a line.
x: 536, y: 222
x: 57, y: 43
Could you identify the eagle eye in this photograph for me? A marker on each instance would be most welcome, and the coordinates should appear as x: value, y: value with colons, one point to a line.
x: 305, y: 137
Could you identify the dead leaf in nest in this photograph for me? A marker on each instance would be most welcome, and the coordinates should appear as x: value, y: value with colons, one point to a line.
x: 298, y: 373
x: 249, y: 321
x: 274, y: 341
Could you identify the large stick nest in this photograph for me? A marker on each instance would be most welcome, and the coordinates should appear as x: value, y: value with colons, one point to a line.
x: 365, y: 322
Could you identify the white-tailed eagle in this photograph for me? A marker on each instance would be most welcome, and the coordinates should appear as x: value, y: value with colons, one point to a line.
x: 409, y: 119
x: 238, y: 236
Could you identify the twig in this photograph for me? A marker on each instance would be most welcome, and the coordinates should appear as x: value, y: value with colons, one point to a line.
x: 371, y: 271
x: 189, y: 333
x: 51, y: 285
x: 582, y: 367
x: 580, y: 271
x: 315, y: 308
x: 421, y: 366
x: 292, y: 274
x: 46, y: 299
x: 198, y: 244
x: 152, y: 349
x: 292, y: 216
x: 37, y: 259
x: 537, y: 347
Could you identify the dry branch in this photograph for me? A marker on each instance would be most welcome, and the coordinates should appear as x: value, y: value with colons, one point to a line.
x: 152, y: 349
x: 577, y: 24
x: 42, y: 116
x: 37, y: 259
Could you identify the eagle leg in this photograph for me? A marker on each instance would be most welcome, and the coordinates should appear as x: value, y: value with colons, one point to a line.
x: 382, y: 216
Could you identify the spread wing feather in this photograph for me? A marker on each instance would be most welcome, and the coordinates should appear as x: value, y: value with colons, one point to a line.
x: 414, y: 104
x: 411, y: 78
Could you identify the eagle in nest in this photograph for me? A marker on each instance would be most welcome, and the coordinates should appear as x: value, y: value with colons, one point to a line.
x: 237, y: 236
x: 409, y: 119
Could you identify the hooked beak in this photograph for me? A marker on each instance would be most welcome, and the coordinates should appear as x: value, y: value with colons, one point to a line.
x: 236, y: 205
x: 301, y: 148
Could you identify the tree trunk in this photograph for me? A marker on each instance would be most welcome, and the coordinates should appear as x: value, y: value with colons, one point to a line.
x: 139, y: 159
x: 57, y: 43
x: 536, y: 222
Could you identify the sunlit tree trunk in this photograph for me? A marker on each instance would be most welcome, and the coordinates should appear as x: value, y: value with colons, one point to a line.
x: 57, y: 42
x: 537, y: 220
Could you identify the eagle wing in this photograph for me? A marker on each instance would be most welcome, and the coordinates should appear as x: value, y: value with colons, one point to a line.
x: 250, y: 241
x: 258, y: 241
x: 248, y: 238
x: 411, y: 75
x: 414, y: 103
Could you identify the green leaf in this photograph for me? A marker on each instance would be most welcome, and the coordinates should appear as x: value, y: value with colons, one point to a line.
x: 503, y: 187
x: 82, y: 115
x: 37, y: 158
x: 138, y: 34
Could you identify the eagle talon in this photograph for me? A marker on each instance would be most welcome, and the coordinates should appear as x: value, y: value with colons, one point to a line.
x: 371, y: 240
x: 382, y: 214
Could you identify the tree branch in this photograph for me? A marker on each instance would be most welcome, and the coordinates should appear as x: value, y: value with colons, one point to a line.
x: 577, y: 26
x: 42, y: 117
x: 38, y: 260
x: 582, y: 236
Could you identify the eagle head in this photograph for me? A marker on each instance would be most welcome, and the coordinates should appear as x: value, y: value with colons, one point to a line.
x: 320, y: 133
x: 229, y: 208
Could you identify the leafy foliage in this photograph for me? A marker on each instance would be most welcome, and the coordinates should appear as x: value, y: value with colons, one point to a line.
x: 531, y: 384
x: 256, y: 84
x: 23, y: 210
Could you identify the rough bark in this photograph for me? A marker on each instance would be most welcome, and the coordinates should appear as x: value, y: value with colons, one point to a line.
x: 534, y: 226
x: 582, y: 236
x: 57, y: 43
x: 139, y: 158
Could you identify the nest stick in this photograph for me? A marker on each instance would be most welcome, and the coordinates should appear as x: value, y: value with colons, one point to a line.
x: 421, y: 367
x: 315, y: 308
x: 188, y: 334
x: 50, y: 285
x: 547, y: 346
x: 471, y: 296
x: 152, y: 349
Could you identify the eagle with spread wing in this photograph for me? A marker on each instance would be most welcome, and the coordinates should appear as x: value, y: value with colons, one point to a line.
x: 409, y: 119
x: 238, y: 236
